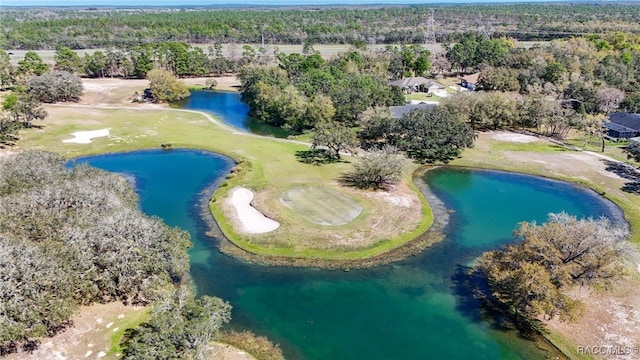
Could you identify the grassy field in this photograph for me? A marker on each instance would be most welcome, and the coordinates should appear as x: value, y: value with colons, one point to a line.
x: 267, y: 166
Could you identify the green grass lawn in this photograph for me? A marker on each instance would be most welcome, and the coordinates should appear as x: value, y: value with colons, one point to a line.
x: 422, y: 97
x: 321, y: 206
x: 268, y: 166
x: 537, y: 146
x: 612, y: 149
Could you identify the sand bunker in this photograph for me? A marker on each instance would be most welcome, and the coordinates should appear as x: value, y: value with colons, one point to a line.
x: 519, y: 138
x: 251, y: 220
x: 321, y: 206
x: 84, y: 137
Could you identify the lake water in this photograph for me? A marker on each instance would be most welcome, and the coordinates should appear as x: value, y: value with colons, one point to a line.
x: 415, y: 309
x: 229, y: 107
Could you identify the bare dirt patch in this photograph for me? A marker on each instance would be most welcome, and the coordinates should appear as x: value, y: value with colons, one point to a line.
x: 89, y: 338
x: 228, y: 352
x: 224, y: 83
x: 116, y: 91
x: 395, y: 198
x: 512, y: 137
x: 610, y: 320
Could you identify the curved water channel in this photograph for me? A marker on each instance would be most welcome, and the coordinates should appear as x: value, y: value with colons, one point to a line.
x: 415, y: 309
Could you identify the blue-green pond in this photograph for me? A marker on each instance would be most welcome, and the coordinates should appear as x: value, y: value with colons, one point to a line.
x: 414, y: 309
x: 228, y: 107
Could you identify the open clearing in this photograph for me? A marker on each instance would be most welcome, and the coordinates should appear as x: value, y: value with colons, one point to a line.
x: 92, y: 336
x: 321, y: 206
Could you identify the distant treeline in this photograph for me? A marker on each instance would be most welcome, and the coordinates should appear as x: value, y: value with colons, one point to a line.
x: 77, y: 28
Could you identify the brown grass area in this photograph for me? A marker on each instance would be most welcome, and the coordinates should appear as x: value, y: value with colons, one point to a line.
x: 257, y: 346
x: 116, y: 91
x: 610, y: 319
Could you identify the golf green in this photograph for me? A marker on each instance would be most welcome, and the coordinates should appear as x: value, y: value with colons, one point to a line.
x: 321, y: 206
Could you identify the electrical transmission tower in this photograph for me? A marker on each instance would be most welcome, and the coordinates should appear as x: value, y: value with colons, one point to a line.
x: 484, y: 28
x: 430, y: 34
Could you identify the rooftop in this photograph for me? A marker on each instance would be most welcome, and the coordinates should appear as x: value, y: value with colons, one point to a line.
x: 628, y: 120
x: 471, y: 78
x: 415, y: 81
x: 397, y: 112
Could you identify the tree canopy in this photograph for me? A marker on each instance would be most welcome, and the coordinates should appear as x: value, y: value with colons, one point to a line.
x: 180, y: 327
x: 55, y: 86
x: 432, y: 135
x: 306, y: 90
x: 86, y: 28
x: 380, y: 169
x: 534, y: 277
x: 165, y: 86
x: 81, y: 239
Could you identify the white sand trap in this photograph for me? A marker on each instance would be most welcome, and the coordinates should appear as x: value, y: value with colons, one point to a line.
x: 251, y: 220
x: 519, y: 138
x: 84, y: 137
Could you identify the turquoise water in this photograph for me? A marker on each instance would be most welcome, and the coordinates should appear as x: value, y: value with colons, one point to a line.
x: 229, y: 107
x: 415, y: 309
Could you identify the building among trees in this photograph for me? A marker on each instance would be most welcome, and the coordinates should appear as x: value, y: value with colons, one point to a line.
x: 622, y: 125
x: 420, y: 84
x: 397, y: 112
x: 470, y: 81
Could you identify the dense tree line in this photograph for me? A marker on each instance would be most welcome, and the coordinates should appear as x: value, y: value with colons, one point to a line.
x: 424, y: 135
x: 180, y: 59
x: 100, y: 28
x: 302, y: 91
x: 570, y: 84
x: 23, y: 106
x: 534, y: 278
x: 474, y: 49
x: 73, y: 236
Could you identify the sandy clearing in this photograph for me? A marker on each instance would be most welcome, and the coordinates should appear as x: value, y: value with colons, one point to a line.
x: 228, y: 352
x: 5, y: 152
x: 87, y: 338
x: 251, y: 220
x: 611, y: 321
x: 84, y: 137
x: 511, y: 137
x: 402, y: 200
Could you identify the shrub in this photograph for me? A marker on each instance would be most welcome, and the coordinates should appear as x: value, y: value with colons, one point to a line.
x: 376, y: 170
x: 55, y: 86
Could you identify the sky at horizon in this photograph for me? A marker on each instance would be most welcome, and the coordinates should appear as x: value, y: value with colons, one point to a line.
x: 252, y: 2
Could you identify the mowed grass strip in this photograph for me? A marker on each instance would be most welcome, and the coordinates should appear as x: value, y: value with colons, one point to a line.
x: 321, y: 206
